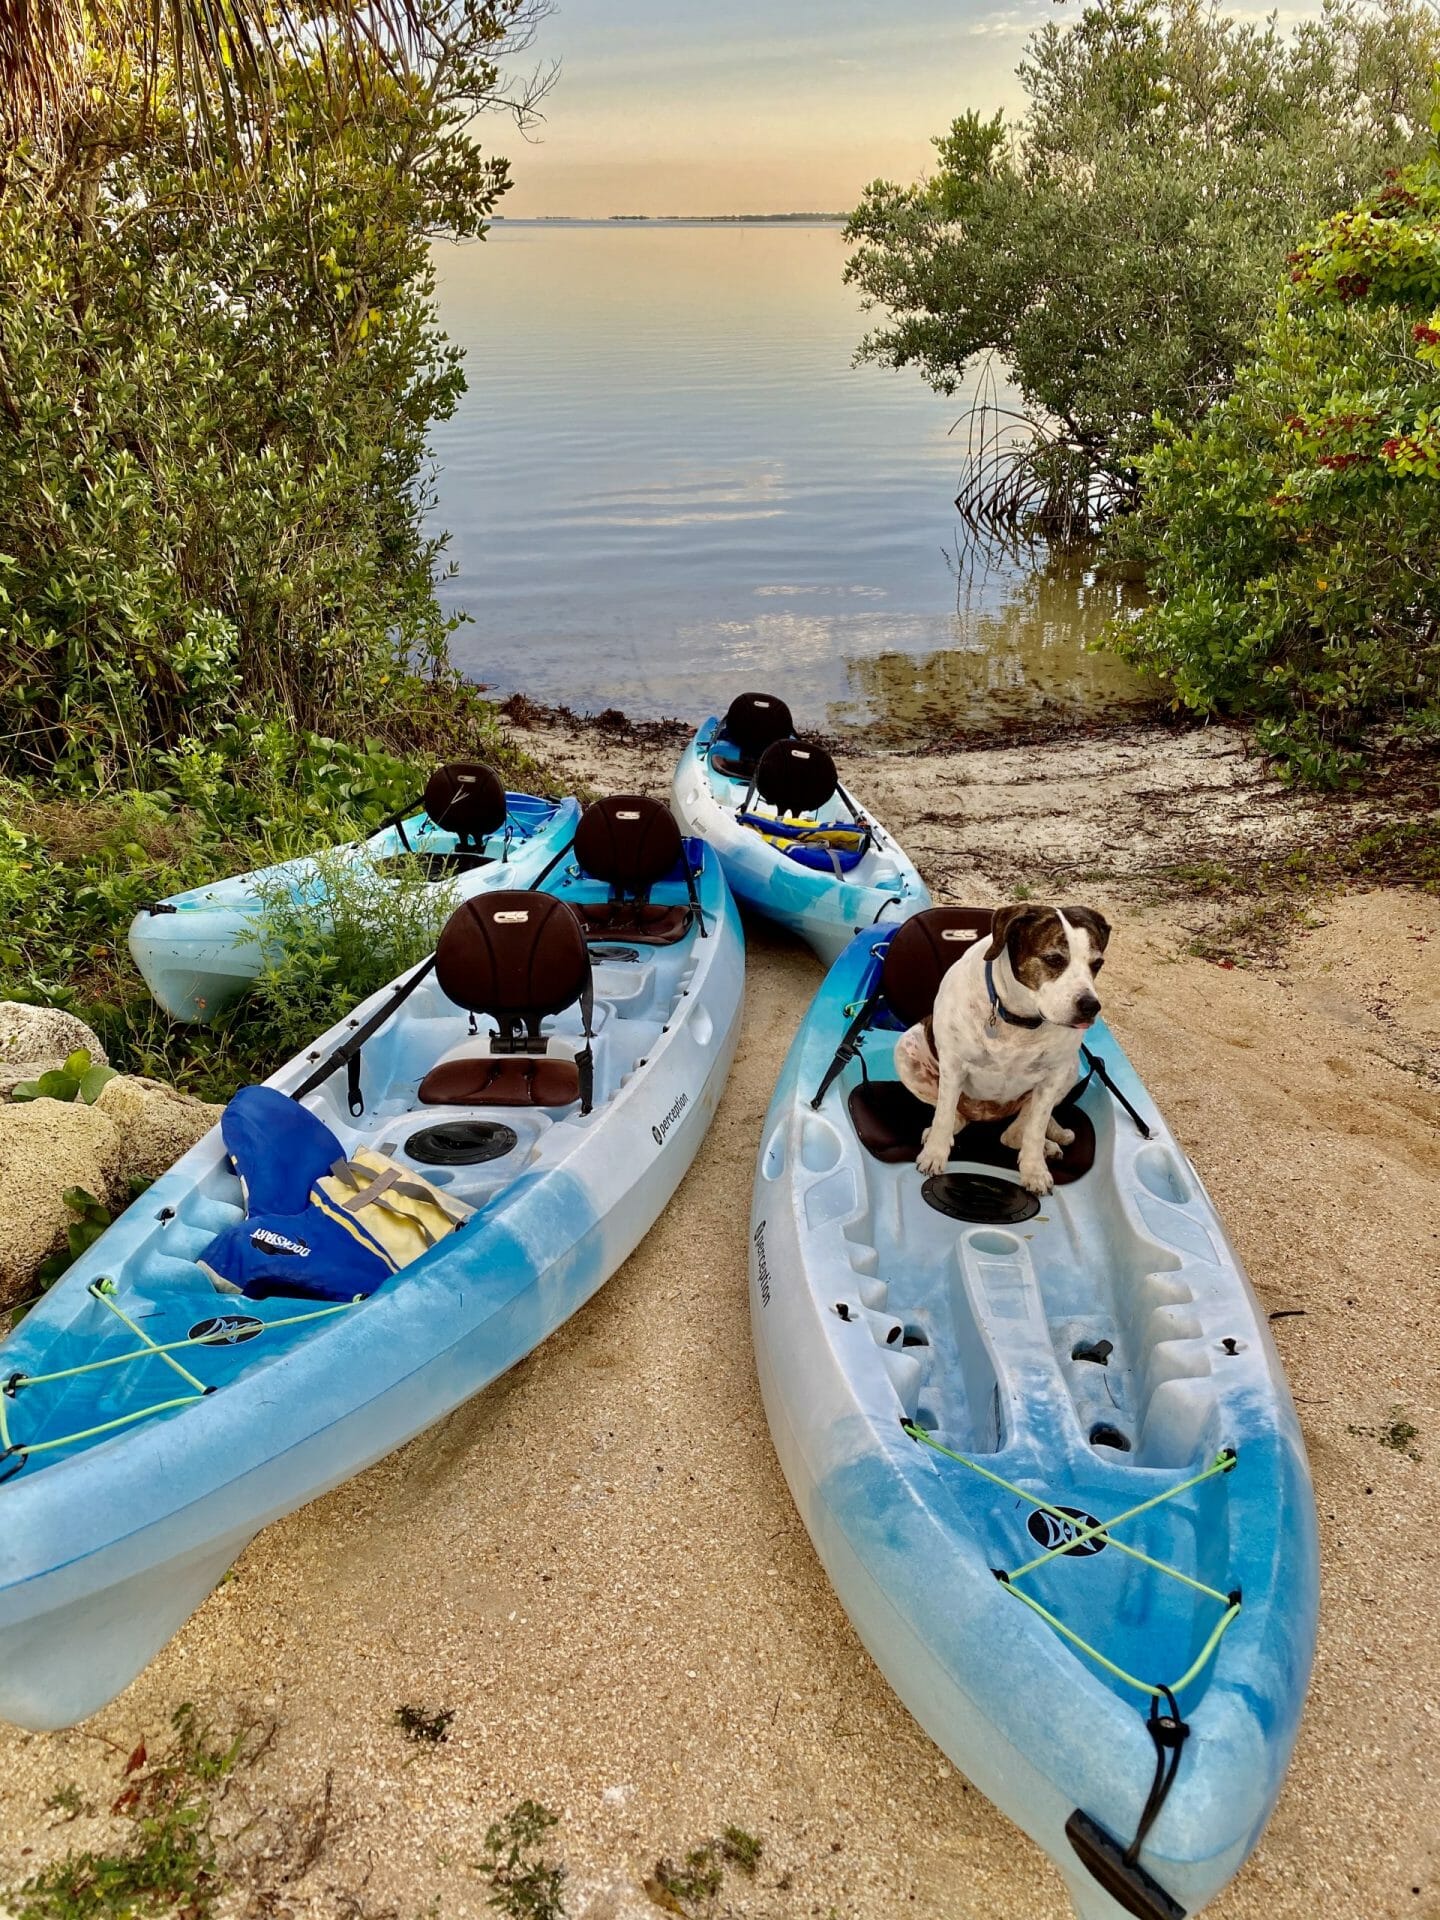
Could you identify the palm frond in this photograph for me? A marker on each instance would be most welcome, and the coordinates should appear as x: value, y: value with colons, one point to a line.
x: 218, y: 54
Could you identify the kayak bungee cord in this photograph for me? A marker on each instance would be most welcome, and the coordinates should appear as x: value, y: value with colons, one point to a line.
x: 151, y: 1350
x: 1115, y: 1867
x: 1075, y: 1536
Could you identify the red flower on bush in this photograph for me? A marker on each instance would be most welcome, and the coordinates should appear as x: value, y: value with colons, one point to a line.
x: 1426, y: 336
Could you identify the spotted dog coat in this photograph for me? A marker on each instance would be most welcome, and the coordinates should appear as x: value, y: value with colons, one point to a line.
x: 970, y: 1062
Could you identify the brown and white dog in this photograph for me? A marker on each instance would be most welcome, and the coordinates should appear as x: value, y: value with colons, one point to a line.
x: 1004, y: 1037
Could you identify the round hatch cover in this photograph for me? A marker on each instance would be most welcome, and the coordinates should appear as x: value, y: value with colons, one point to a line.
x: 979, y: 1197
x: 461, y: 1143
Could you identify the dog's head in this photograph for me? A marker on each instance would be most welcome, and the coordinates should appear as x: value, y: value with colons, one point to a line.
x: 1056, y: 952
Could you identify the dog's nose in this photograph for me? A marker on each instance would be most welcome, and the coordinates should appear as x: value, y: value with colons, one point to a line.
x: 1087, y: 1006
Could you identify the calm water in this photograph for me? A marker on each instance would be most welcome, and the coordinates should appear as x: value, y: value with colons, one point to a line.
x: 668, y: 483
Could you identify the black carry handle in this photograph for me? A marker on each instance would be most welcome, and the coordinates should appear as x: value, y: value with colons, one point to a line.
x: 1102, y: 1072
x: 347, y: 1054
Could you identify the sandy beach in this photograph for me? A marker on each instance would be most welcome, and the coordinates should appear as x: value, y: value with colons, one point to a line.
x: 596, y: 1564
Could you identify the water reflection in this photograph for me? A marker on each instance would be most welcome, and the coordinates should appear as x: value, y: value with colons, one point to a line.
x: 1022, y: 659
x: 667, y: 483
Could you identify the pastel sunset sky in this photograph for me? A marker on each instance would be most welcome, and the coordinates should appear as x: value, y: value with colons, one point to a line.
x: 755, y: 106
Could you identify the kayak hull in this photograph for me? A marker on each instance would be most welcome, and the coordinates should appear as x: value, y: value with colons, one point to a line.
x: 198, y: 951
x: 106, y: 1552
x: 967, y: 1332
x: 826, y: 910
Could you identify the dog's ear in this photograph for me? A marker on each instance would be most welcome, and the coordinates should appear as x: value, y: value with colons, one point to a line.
x: 1004, y: 925
x: 1095, y: 924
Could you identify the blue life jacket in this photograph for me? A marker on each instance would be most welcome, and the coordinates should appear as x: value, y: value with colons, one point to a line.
x: 284, y: 1245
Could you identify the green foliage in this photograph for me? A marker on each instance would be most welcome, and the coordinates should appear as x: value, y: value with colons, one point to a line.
x: 524, y: 1884
x: 1293, y: 536
x: 216, y: 382
x: 741, y: 1849
x: 68, y: 1802
x: 1119, y: 247
x: 92, y: 1217
x: 169, y: 1865
x: 1399, y: 1434
x: 80, y: 1077
x: 328, y: 946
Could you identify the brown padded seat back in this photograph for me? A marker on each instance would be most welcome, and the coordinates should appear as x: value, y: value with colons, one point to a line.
x: 467, y: 799
x: 889, y: 1120
x: 513, y: 953
x: 922, y: 951
x: 753, y: 720
x: 509, y: 1080
x: 629, y: 842
x: 639, y: 921
x: 795, y: 776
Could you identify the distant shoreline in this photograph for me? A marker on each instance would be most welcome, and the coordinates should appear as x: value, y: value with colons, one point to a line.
x: 669, y: 219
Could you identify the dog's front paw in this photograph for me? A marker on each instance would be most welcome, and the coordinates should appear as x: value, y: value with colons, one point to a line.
x: 1035, y: 1176
x: 934, y: 1154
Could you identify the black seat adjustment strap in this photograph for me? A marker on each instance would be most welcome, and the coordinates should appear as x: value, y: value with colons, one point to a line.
x: 347, y: 1054
x: 848, y: 1048
x: 1098, y: 1067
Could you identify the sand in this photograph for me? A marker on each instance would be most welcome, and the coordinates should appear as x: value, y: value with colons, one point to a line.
x: 597, y: 1566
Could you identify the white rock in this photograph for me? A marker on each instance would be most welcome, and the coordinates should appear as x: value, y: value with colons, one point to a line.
x: 45, y: 1147
x: 36, y: 1040
x: 156, y: 1124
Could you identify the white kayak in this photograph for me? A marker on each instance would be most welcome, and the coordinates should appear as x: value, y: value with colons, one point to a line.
x: 1045, y: 1450
x: 199, y: 950
x: 793, y: 844
x: 551, y: 1078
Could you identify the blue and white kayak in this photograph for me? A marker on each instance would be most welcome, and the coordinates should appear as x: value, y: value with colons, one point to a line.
x: 802, y: 873
x: 1045, y: 1450
x: 152, y: 1425
x: 199, y: 950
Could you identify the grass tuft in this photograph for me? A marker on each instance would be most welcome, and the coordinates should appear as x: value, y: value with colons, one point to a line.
x: 524, y: 1884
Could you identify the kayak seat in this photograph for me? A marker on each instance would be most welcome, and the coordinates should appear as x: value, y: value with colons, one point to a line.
x: 753, y: 722
x: 796, y: 776
x: 517, y: 958
x: 642, y: 921
x: 466, y: 799
x: 498, y: 1080
x: 889, y: 1122
x: 630, y: 843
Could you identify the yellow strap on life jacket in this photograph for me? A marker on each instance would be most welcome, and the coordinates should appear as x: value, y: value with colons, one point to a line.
x: 389, y: 1208
x: 812, y: 833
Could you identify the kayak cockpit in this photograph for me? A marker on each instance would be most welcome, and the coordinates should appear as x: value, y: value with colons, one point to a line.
x: 1049, y: 1359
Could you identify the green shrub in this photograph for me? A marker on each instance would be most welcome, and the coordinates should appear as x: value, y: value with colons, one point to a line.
x: 216, y: 385
x: 1293, y: 537
x: 352, y: 932
x: 1116, y: 250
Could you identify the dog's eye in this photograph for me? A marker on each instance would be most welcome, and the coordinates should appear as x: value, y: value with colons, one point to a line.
x: 1057, y: 959
x: 1096, y: 965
